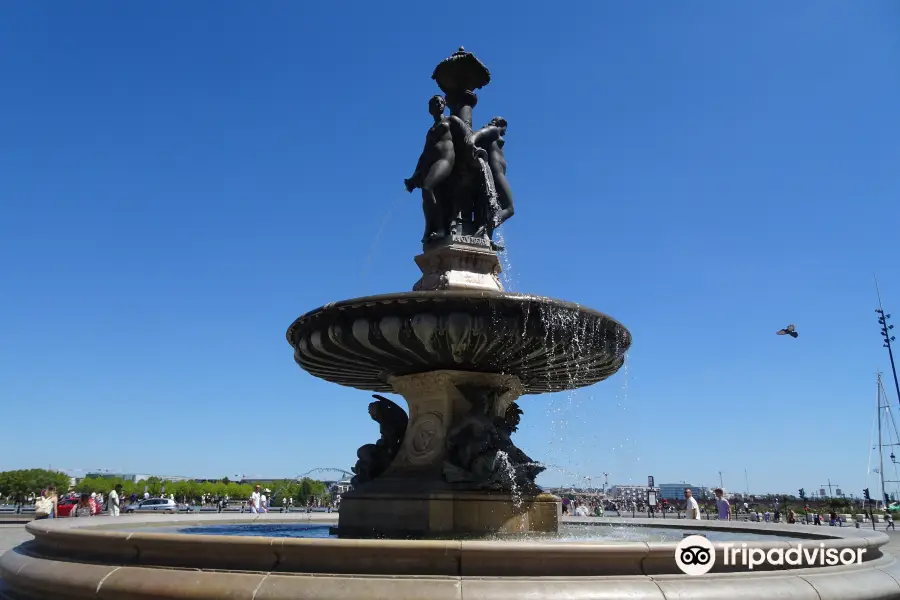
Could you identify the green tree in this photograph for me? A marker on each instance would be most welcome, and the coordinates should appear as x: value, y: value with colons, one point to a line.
x: 308, y: 489
x: 218, y: 490
x: 177, y: 489
x: 191, y: 490
x: 154, y: 485
x: 24, y: 482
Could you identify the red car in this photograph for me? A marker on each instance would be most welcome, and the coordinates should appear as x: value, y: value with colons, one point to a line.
x: 65, y: 506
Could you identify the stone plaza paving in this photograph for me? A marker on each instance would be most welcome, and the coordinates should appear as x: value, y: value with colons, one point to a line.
x: 11, y: 536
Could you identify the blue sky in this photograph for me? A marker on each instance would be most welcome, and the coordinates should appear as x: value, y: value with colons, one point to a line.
x: 180, y: 181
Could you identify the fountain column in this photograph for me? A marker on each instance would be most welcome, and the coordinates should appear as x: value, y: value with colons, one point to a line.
x: 436, y: 406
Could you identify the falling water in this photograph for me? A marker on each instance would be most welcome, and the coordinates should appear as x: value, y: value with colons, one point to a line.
x: 506, y: 272
x: 506, y: 267
x: 510, y: 472
x: 575, y: 337
x: 564, y: 329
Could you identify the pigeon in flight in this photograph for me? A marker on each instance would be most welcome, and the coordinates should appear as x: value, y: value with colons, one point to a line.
x: 789, y: 330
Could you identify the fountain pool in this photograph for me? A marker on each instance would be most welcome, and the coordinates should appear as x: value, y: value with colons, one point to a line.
x: 568, y: 532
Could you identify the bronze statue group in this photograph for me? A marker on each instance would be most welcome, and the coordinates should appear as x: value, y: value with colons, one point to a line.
x: 462, y: 175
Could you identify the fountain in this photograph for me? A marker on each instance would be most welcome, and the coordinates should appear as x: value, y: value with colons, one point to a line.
x: 444, y: 504
x: 457, y: 348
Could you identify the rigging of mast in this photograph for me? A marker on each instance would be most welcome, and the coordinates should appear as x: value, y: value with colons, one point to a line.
x: 887, y: 428
x: 888, y: 338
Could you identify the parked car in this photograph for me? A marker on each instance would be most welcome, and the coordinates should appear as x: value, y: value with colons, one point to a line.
x: 65, y: 506
x: 166, y: 505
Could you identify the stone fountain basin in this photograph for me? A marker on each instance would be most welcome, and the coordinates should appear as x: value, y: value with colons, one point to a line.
x: 550, y: 345
x: 118, y: 559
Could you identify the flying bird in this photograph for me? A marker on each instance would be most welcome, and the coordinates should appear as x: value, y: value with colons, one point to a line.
x: 789, y: 330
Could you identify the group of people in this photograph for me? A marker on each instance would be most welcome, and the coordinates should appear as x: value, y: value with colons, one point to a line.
x: 258, y: 501
x: 584, y: 508
x: 47, y: 505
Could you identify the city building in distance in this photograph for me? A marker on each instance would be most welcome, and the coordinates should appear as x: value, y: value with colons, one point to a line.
x: 629, y: 493
x: 675, y: 491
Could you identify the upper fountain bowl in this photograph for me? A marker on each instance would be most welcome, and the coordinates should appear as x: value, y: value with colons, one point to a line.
x: 548, y: 344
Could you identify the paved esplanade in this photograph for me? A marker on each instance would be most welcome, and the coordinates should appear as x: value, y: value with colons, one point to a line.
x: 11, y: 536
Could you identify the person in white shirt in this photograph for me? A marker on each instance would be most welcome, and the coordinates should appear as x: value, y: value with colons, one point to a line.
x: 113, y: 502
x: 691, y: 508
x: 263, y: 504
x: 146, y: 495
x: 255, y: 500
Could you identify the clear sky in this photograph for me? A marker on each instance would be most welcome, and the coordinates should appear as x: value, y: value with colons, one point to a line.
x: 180, y: 180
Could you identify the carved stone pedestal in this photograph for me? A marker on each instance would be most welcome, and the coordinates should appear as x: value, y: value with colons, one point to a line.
x: 459, y: 266
x: 413, y: 498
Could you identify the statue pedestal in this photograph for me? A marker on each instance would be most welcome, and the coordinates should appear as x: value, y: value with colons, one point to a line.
x: 444, y: 514
x: 414, y: 499
x: 459, y: 265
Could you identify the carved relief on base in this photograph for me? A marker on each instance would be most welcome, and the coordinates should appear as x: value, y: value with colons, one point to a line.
x: 426, y: 438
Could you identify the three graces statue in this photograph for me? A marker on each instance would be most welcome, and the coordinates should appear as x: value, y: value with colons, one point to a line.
x: 461, y: 171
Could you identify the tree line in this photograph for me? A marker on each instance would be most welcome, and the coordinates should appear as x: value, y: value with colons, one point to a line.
x: 17, y: 485
x: 20, y: 484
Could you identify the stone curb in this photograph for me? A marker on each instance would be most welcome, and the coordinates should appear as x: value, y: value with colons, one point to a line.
x: 143, y: 564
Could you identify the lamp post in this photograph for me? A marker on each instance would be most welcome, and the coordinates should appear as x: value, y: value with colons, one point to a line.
x: 830, y: 486
x: 888, y: 338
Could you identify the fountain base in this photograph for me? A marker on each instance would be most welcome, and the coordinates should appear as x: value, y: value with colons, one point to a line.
x: 445, y: 514
x: 457, y: 471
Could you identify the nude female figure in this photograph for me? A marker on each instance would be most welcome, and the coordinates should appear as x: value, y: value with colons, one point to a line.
x: 435, y: 165
x: 490, y: 138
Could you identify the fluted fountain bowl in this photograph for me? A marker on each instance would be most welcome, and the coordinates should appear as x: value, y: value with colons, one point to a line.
x: 548, y: 344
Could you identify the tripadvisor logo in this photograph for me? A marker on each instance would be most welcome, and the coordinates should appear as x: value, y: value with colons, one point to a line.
x: 696, y: 555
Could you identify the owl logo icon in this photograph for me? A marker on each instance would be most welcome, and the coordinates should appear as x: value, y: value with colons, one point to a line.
x: 695, y: 555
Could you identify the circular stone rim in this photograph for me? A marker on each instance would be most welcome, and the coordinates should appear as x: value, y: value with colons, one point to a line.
x: 33, y: 571
x: 450, y: 295
x: 122, y: 541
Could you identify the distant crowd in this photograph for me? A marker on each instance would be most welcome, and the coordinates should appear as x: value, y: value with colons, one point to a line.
x: 51, y: 504
x: 586, y: 506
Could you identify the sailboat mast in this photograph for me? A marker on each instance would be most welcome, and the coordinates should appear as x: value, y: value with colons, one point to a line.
x: 888, y: 338
x: 879, y: 394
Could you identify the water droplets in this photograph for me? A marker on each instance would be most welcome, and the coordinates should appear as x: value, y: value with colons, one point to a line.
x: 511, y: 479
